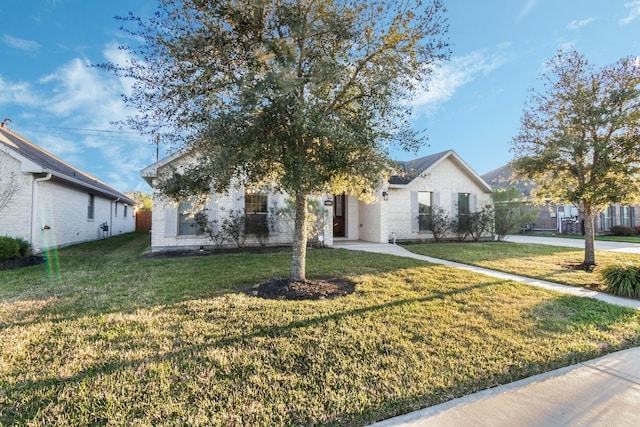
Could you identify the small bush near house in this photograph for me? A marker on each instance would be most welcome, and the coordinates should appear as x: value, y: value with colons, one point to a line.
x: 620, y: 230
x: 9, y: 248
x: 24, y: 247
x: 622, y: 279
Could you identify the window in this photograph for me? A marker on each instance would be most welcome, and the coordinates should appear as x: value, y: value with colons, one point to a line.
x: 255, y: 212
x: 91, y: 207
x: 255, y: 203
x: 605, y: 219
x: 424, y: 210
x: 187, y: 225
x: 463, y: 204
x: 625, y: 216
x: 125, y: 211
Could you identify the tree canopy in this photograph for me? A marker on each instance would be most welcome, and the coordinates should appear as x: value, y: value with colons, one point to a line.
x: 305, y: 96
x: 580, y: 137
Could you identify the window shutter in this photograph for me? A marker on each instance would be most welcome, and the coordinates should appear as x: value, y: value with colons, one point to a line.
x: 474, y: 203
x: 415, y: 226
x: 632, y: 216
x: 613, y: 216
x: 170, y: 221
x: 436, y: 199
x: 454, y: 205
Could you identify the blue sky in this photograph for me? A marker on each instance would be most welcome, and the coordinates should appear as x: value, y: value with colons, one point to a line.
x: 474, y: 105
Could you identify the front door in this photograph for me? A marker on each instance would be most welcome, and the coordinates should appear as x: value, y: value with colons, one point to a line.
x: 338, y: 216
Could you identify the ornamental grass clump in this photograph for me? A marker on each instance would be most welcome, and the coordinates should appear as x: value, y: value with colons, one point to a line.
x: 622, y: 279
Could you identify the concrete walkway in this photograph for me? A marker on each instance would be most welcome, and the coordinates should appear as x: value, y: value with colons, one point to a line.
x: 603, y: 245
x: 601, y: 392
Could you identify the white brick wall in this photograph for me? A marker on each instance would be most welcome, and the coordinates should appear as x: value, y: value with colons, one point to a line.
x: 61, y: 208
x: 15, y: 220
x: 64, y: 210
x: 165, y: 219
x: 446, y: 179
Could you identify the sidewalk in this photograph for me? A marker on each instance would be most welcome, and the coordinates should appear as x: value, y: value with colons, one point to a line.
x: 600, y: 392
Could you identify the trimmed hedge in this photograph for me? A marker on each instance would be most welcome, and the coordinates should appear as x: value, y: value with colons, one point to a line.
x: 621, y: 230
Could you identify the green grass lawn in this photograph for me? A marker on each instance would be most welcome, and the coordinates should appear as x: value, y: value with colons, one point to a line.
x: 112, y: 338
x: 552, y: 263
x: 610, y: 238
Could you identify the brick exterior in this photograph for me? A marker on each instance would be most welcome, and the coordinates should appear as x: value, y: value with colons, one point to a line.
x: 374, y: 222
x: 445, y: 181
x: 49, y: 213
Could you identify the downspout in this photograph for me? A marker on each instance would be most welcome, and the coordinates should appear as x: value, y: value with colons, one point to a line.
x: 111, y: 217
x: 34, y: 204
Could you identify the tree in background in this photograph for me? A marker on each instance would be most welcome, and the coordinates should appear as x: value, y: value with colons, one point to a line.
x: 304, y: 96
x: 9, y: 185
x: 511, y: 211
x: 580, y: 138
x: 144, y: 200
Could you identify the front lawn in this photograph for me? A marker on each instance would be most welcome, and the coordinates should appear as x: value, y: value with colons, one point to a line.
x: 544, y: 262
x: 101, y: 336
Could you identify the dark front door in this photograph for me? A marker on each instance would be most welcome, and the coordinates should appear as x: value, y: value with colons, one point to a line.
x: 338, y: 216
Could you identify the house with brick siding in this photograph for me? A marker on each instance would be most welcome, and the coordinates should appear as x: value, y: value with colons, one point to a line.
x: 564, y: 218
x: 54, y: 204
x: 441, y: 179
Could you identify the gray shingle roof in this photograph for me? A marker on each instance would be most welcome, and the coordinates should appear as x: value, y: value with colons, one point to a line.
x: 411, y: 169
x: 60, y: 170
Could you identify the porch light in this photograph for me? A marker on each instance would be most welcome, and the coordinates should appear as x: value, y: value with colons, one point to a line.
x: 385, y: 196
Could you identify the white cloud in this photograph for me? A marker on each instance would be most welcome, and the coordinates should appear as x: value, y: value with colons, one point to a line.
x: 577, y: 24
x: 28, y: 46
x: 634, y: 12
x: 18, y: 93
x: 449, y: 77
x: 527, y: 8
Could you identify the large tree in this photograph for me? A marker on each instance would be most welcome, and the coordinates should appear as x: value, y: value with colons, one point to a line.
x: 305, y: 96
x: 580, y: 137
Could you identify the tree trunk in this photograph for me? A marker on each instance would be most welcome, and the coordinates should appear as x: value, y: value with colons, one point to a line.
x: 589, y: 237
x: 299, y: 259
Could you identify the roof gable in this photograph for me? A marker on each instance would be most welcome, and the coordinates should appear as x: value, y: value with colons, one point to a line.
x: 412, y: 169
x: 48, y: 163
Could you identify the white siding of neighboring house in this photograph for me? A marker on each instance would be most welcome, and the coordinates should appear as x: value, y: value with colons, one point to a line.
x: 15, y: 218
x: 445, y: 180
x: 65, y: 211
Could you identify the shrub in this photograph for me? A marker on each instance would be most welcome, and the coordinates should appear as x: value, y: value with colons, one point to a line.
x: 24, y: 247
x: 621, y: 230
x: 622, y: 279
x: 9, y: 248
x: 481, y: 222
x: 439, y: 222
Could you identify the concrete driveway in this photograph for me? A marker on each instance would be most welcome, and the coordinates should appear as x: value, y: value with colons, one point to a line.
x: 633, y: 248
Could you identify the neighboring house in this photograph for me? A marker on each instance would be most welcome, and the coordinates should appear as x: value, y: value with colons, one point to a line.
x: 441, y: 179
x: 54, y: 203
x: 564, y: 218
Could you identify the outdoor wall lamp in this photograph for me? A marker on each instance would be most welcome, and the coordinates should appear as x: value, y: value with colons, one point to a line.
x: 385, y: 196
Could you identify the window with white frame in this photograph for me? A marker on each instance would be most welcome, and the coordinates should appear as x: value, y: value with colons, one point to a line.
x: 463, y: 204
x: 255, y: 211
x: 625, y: 216
x: 187, y: 225
x: 91, y: 206
x: 425, y: 201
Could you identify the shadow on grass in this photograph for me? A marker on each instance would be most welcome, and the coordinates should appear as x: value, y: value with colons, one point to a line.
x: 561, y: 315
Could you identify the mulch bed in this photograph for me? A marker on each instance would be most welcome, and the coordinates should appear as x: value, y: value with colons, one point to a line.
x: 206, y: 252
x: 25, y: 261
x: 308, y: 290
